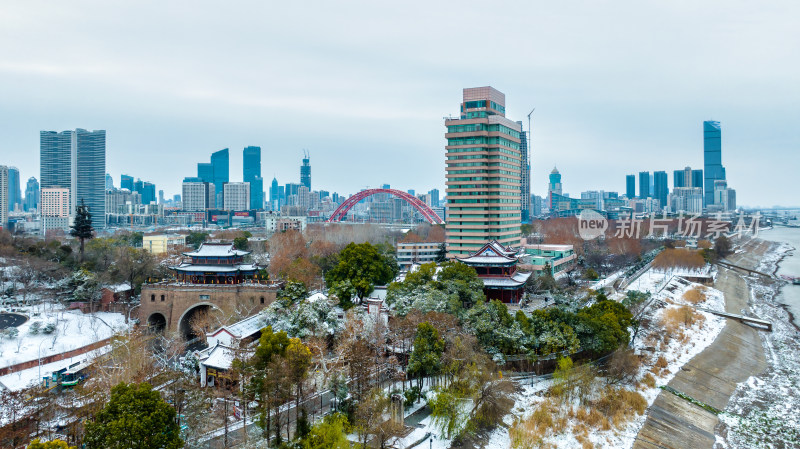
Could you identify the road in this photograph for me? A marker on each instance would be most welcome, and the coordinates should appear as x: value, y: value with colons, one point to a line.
x: 711, y: 376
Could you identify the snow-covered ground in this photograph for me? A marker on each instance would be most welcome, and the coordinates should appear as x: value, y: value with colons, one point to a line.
x: 73, y: 330
x: 763, y: 411
x: 32, y: 376
x: 676, y: 352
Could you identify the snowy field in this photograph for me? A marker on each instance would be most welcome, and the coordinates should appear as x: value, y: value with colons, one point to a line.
x: 71, y: 329
x: 676, y: 353
x: 31, y: 376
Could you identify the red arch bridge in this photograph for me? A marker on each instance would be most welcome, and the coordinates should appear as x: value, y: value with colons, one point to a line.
x: 422, y: 208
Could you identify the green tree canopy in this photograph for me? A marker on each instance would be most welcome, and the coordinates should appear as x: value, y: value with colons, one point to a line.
x: 52, y: 444
x: 196, y: 238
x: 135, y: 418
x: 329, y: 434
x: 365, y: 266
x: 426, y: 357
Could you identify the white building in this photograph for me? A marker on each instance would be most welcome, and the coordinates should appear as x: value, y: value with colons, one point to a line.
x: 197, y: 196
x: 55, y: 208
x: 409, y: 254
x: 685, y: 199
x: 236, y: 196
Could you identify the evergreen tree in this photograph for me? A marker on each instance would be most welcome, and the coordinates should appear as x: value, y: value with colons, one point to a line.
x: 364, y: 266
x: 82, y: 227
x: 441, y: 255
x: 135, y: 418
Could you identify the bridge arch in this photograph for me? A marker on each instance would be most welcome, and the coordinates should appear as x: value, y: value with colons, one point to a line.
x: 415, y: 202
x: 184, y: 322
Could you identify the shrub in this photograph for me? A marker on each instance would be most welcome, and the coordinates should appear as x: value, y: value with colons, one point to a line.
x: 49, y: 328
x: 620, y: 404
x: 36, y: 326
x: 661, y: 362
x: 694, y: 296
x: 679, y: 257
x: 676, y: 318
x: 649, y: 380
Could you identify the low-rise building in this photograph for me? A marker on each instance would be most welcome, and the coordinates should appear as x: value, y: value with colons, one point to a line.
x: 162, y: 243
x: 409, y: 254
x: 560, y: 258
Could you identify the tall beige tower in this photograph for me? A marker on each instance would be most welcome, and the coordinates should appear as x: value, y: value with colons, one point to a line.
x: 3, y: 197
x: 484, y: 164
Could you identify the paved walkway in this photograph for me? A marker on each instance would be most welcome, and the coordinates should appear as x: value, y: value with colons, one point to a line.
x: 711, y: 376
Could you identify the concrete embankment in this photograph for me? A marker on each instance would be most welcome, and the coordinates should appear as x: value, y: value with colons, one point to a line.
x: 712, y: 376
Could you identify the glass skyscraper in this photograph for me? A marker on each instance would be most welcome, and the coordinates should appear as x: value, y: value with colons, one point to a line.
x: 251, y: 172
x: 484, y: 166
x: 630, y: 186
x: 14, y: 192
x: 712, y: 159
x: 305, y: 172
x: 525, y: 180
x: 660, y: 189
x: 220, y: 163
x: 644, y: 184
x: 32, y: 194
x: 697, y: 178
x: 76, y: 160
x: 126, y: 182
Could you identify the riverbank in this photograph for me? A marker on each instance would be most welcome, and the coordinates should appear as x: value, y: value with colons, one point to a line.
x: 712, y: 376
x: 762, y: 412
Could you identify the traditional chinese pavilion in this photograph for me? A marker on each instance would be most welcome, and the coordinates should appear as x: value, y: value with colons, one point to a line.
x: 216, y: 263
x: 496, y: 266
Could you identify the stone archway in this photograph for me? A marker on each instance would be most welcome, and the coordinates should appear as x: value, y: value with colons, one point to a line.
x: 156, y: 323
x: 185, y: 322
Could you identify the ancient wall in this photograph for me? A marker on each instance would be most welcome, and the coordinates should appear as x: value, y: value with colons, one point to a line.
x: 173, y: 300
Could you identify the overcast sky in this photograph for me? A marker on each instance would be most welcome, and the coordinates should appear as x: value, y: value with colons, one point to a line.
x: 619, y: 86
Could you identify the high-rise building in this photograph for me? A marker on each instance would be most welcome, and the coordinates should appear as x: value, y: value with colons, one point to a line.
x: 685, y: 199
x: 161, y: 199
x: 109, y: 182
x: 305, y: 172
x: 236, y: 196
x: 3, y: 197
x: 712, y: 158
x: 126, y: 182
x: 14, y: 192
x: 630, y: 186
x: 251, y: 172
x: 553, y: 187
x: 660, y: 188
x: 32, y: 194
x: 644, y: 184
x: 220, y: 163
x: 525, y: 179
x: 697, y: 178
x: 76, y: 160
x: 724, y: 197
x: 484, y: 165
x: 274, y: 195
x: 682, y: 178
x: 205, y: 171
x: 197, y: 195
x: 434, y: 193
x: 56, y: 208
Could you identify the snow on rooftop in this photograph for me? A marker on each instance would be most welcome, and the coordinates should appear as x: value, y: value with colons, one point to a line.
x: 216, y: 250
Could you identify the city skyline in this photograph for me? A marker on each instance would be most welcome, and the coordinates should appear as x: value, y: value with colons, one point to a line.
x: 605, y: 104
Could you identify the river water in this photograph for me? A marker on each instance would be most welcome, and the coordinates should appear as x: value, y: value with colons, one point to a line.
x: 790, y: 266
